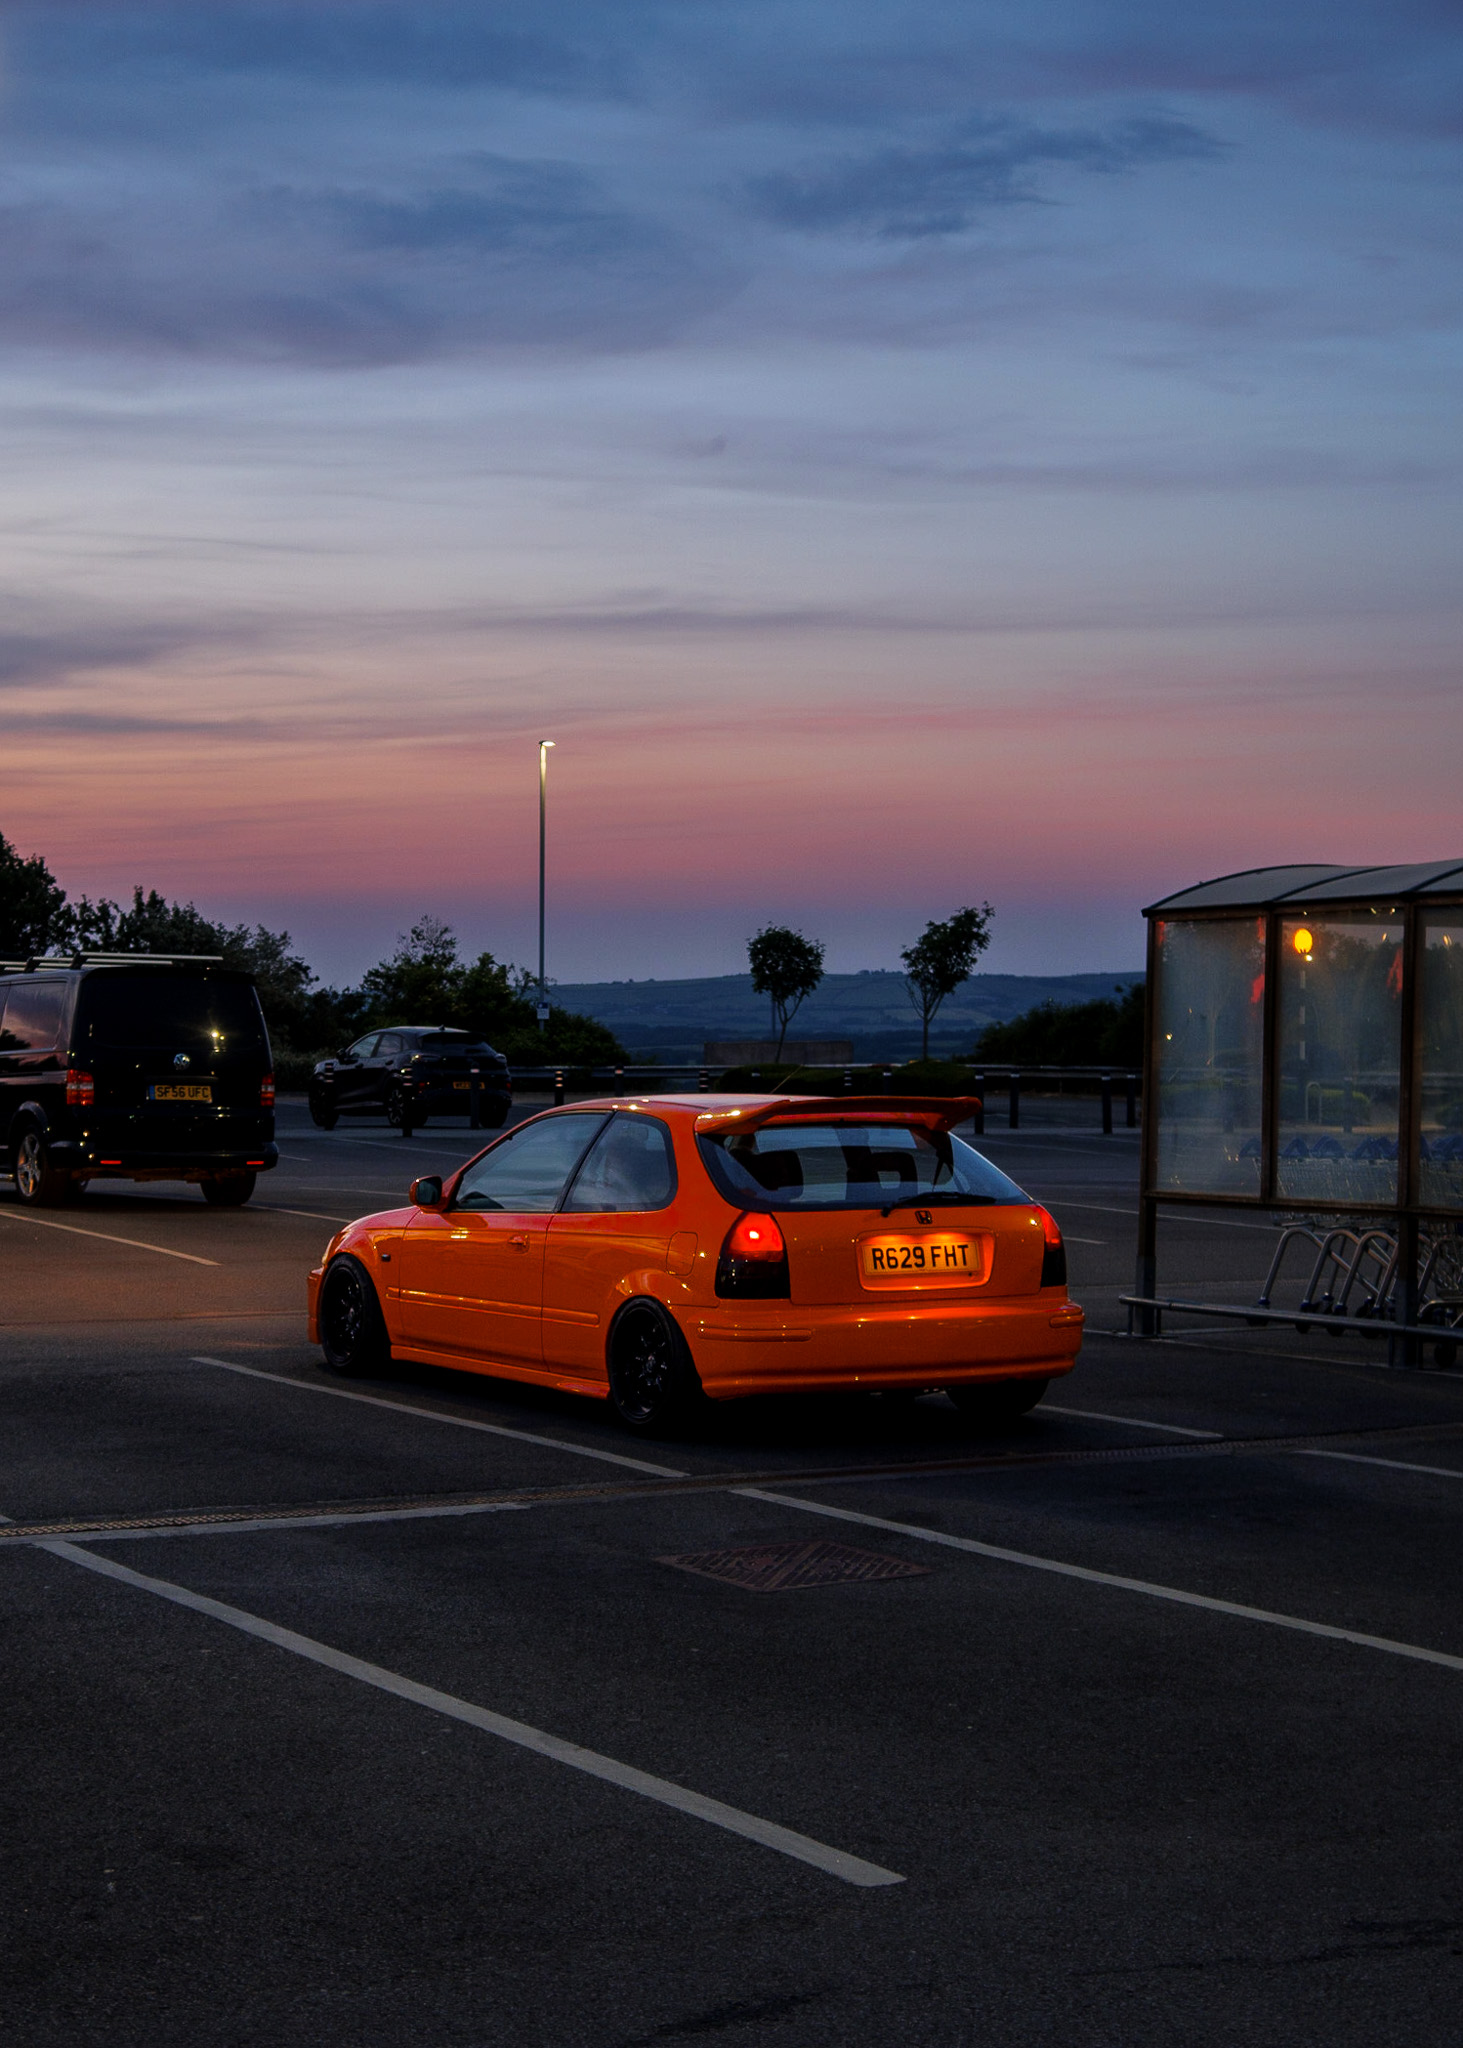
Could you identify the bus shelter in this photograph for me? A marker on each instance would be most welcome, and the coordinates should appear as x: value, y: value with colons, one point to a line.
x: 1305, y: 1055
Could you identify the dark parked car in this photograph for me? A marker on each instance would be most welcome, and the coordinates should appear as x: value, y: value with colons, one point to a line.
x: 134, y: 1067
x: 409, y: 1073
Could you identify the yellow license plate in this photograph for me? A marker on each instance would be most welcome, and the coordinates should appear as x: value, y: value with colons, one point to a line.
x: 181, y: 1091
x: 896, y: 1259
x: 464, y: 1085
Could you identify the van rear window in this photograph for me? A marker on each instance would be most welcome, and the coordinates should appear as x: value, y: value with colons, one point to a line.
x: 850, y: 1166
x: 196, y: 1012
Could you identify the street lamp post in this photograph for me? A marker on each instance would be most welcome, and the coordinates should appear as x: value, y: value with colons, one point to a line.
x: 543, y: 816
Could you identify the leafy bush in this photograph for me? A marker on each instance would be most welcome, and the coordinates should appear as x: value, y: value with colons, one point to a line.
x: 1105, y: 1033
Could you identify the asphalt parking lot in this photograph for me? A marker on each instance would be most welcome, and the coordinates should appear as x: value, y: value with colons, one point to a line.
x: 417, y: 1712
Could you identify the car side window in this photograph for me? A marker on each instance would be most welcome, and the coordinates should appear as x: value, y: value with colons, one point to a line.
x: 630, y: 1168
x: 528, y: 1169
x: 33, y: 1011
x: 388, y: 1045
x: 364, y: 1047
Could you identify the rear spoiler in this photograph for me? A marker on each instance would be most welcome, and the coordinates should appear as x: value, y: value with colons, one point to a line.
x: 930, y: 1112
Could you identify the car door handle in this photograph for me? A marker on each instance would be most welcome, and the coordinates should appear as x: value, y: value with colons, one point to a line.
x: 518, y: 1244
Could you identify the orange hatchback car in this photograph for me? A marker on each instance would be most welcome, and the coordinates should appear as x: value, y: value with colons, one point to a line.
x: 662, y: 1250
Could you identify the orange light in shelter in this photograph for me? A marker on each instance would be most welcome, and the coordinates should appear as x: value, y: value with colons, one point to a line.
x: 1303, y: 942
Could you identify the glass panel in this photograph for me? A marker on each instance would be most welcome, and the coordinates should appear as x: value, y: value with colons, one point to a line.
x: 527, y: 1169
x: 631, y: 1169
x: 33, y: 1015
x: 1211, y: 1011
x: 1340, y: 1044
x: 851, y: 1166
x: 161, y: 1009
x: 1440, y: 1080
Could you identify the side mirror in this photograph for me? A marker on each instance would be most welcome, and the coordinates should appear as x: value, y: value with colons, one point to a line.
x: 427, y: 1192
x: 346, y: 1056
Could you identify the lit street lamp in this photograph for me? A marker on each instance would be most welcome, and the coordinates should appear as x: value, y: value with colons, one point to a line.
x: 543, y: 815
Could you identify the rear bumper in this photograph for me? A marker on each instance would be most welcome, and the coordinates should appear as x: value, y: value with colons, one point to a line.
x: 97, y: 1160
x: 747, y: 1348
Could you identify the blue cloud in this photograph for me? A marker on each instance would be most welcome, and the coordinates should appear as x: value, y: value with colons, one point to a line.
x: 906, y: 192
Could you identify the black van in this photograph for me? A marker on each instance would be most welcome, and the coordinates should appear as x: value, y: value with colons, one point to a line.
x: 134, y: 1067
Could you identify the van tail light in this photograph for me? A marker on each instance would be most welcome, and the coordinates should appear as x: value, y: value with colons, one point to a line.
x: 266, y: 1092
x: 753, y: 1262
x: 81, y: 1089
x: 1054, y: 1252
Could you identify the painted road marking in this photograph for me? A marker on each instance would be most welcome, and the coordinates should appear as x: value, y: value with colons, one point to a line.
x: 1344, y: 1457
x: 1203, y: 1222
x: 522, y: 1436
x: 1092, y: 1415
x: 134, y: 1243
x: 1115, y: 1579
x: 278, y: 1209
x: 836, y: 1862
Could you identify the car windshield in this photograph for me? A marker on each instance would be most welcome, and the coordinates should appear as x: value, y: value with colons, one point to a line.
x: 850, y: 1166
x: 206, y: 1013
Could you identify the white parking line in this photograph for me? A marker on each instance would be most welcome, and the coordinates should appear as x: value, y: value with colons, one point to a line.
x: 836, y: 1862
x: 135, y: 1243
x: 1342, y: 1457
x: 278, y: 1209
x: 1115, y: 1579
x: 1129, y: 1421
x: 522, y: 1436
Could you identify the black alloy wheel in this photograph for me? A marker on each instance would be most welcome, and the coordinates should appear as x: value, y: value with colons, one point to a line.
x: 997, y: 1401
x: 352, y: 1330
x: 323, y: 1112
x: 38, y: 1183
x: 653, y: 1384
x: 228, y: 1190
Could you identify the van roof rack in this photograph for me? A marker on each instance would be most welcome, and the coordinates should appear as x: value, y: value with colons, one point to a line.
x: 38, y: 961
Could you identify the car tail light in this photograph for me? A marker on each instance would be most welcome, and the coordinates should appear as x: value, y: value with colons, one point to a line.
x: 1054, y: 1252
x: 266, y: 1092
x: 753, y: 1262
x: 81, y: 1089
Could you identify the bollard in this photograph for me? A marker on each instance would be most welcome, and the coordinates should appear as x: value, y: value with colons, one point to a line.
x: 1107, y: 1105
x: 475, y: 1102
x: 1132, y: 1102
x: 848, y: 1080
x: 558, y: 1086
x: 1013, y: 1104
x: 619, y: 1080
x: 407, y: 1106
x: 705, y: 1082
x: 886, y: 1081
x: 979, y: 1080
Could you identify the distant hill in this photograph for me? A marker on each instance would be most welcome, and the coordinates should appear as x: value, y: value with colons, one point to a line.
x: 673, y: 1019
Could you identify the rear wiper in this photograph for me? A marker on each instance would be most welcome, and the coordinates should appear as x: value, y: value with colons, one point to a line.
x: 931, y: 1199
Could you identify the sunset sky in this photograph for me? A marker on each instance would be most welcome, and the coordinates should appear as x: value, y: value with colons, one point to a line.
x: 903, y: 455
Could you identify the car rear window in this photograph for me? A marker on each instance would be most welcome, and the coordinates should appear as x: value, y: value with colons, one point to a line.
x: 850, y: 1166
x: 202, y: 1012
x: 444, y: 1041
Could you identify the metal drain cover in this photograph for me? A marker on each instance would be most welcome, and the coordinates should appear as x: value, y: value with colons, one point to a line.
x: 788, y: 1567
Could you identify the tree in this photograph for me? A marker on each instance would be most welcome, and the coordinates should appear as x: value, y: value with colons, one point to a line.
x: 32, y: 905
x: 787, y: 967
x: 941, y: 958
x: 424, y: 982
x: 153, y: 925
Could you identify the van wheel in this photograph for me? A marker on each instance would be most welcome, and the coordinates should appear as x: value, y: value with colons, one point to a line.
x: 228, y: 1190
x: 997, y: 1401
x: 653, y: 1384
x: 37, y: 1181
x: 352, y: 1329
